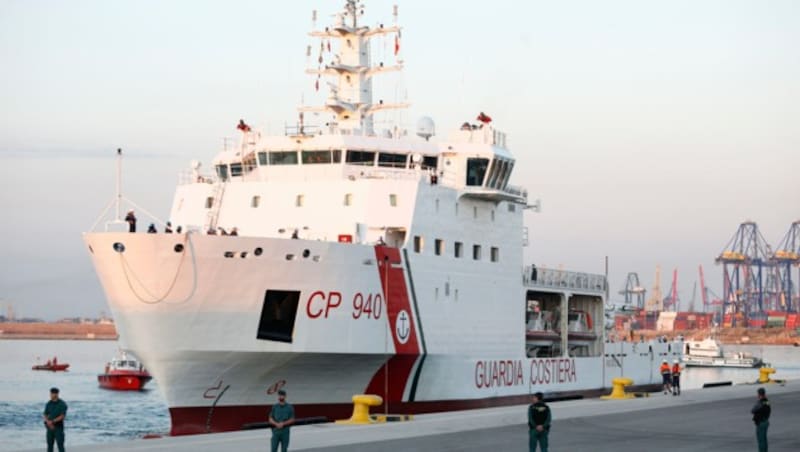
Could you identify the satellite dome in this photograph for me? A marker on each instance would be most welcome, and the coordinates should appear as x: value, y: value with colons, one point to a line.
x: 425, y: 128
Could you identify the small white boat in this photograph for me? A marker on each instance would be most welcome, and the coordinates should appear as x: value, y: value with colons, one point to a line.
x: 708, y: 353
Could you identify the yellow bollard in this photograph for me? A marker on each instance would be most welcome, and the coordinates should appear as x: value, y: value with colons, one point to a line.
x: 618, y: 389
x: 361, y: 404
x: 764, y: 373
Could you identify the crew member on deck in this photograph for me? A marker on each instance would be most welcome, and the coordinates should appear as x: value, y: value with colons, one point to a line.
x: 152, y: 228
x: 130, y: 218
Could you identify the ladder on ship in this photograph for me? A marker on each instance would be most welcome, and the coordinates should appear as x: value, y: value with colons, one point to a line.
x: 216, y: 204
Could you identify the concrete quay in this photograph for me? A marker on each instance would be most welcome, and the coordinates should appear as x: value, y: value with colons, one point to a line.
x: 713, y: 419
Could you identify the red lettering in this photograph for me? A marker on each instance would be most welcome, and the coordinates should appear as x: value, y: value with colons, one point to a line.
x: 478, y: 371
x: 572, y: 375
x: 308, y: 306
x: 331, y: 303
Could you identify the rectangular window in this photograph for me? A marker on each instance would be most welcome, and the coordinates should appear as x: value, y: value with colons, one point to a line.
x: 236, y: 169
x: 512, y: 207
x: 283, y: 158
x: 418, y: 243
x: 348, y: 199
x: 476, y: 252
x: 393, y: 200
x: 222, y: 172
x: 429, y: 162
x: 360, y: 158
x: 476, y: 171
x: 255, y: 201
x: 209, y: 202
x: 298, y: 202
x: 495, y: 254
x: 459, y: 249
x: 262, y: 158
x: 388, y: 160
x: 315, y: 157
x: 337, y: 156
x: 439, y: 247
x: 278, y: 315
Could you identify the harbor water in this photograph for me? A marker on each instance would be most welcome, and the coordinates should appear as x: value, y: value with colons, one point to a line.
x: 97, y: 415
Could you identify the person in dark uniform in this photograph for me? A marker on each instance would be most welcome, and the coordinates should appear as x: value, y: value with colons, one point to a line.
x: 130, y: 218
x: 281, y: 418
x: 761, y: 411
x: 168, y: 228
x: 152, y: 229
x: 538, y: 423
x: 54, y: 413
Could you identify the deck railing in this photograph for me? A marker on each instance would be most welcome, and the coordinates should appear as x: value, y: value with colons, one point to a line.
x: 562, y: 279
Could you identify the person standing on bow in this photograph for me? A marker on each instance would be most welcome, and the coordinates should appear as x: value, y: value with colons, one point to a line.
x: 54, y: 413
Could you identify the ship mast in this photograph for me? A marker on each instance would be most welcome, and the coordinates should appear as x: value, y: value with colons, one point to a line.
x: 350, y: 96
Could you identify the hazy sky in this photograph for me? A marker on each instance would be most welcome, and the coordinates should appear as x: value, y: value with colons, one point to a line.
x: 649, y: 130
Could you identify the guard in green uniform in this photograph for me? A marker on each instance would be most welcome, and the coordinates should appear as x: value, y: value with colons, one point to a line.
x: 761, y: 412
x: 54, y: 413
x: 281, y: 417
x: 539, y: 423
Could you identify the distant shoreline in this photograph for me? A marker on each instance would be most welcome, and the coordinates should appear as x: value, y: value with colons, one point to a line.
x: 58, y: 331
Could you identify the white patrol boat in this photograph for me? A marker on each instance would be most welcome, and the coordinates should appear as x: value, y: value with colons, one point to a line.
x: 381, y: 262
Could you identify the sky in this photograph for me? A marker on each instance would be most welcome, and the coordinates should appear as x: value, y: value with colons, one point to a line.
x: 648, y: 130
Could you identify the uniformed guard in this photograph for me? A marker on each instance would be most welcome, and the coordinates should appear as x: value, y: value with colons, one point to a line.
x: 538, y: 423
x: 130, y: 218
x: 761, y: 411
x: 54, y: 413
x: 676, y: 377
x: 281, y: 417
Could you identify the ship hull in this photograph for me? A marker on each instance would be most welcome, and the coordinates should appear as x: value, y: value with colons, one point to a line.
x: 200, y: 313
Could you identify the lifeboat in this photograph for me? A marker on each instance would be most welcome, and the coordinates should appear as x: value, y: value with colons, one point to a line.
x: 579, y: 329
x: 124, y: 373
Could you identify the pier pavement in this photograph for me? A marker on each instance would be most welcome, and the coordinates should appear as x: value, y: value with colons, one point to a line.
x: 713, y: 419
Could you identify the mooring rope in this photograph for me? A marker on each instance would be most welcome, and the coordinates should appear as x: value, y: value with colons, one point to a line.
x: 126, y: 269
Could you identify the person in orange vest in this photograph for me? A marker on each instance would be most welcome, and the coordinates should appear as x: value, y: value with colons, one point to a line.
x: 666, y: 376
x: 676, y: 377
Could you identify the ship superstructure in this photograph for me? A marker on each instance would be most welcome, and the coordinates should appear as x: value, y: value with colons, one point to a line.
x: 364, y: 261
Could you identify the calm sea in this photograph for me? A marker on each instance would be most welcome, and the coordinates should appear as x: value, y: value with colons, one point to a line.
x: 97, y: 415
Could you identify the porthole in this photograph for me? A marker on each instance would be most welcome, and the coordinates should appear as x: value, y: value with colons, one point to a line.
x: 258, y: 251
x: 178, y: 247
x: 229, y: 254
x: 243, y: 254
x: 290, y: 257
x: 306, y: 253
x: 119, y: 247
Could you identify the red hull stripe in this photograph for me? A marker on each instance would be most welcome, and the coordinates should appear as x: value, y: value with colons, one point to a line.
x: 393, y: 376
x: 192, y: 420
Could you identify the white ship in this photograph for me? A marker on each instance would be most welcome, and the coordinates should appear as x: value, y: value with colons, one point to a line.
x: 365, y: 262
x: 708, y: 353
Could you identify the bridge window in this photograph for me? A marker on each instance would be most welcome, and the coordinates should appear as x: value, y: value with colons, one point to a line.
x: 476, y: 171
x: 439, y: 247
x: 283, y: 158
x: 429, y: 162
x: 459, y: 250
x: 314, y: 157
x: 262, y: 158
x: 222, y: 172
x: 348, y: 199
x: 255, y: 201
x: 476, y: 252
x: 360, y: 158
x: 236, y: 169
x: 393, y: 200
x: 495, y: 254
x: 494, y: 173
x: 388, y: 160
x: 209, y: 202
x: 418, y: 243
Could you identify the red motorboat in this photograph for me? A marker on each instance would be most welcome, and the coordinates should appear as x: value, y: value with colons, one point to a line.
x: 124, y: 373
x: 52, y: 365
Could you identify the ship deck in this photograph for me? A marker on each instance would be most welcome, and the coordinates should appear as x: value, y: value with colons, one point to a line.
x: 713, y: 419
